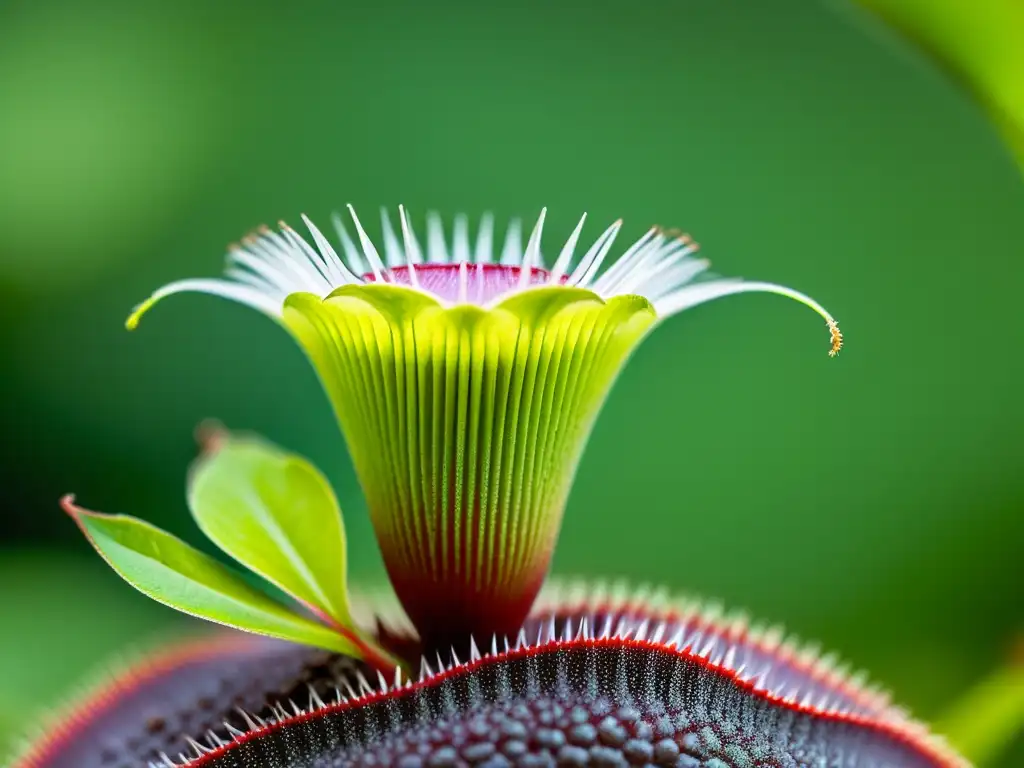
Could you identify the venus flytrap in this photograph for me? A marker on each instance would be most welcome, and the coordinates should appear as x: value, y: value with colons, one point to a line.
x: 466, y: 381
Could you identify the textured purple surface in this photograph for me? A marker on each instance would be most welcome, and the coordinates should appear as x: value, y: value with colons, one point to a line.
x: 151, y: 711
x: 581, y: 706
x: 597, y: 685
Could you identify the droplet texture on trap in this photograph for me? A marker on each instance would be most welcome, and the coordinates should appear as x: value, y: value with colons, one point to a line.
x: 586, y: 703
x: 186, y: 689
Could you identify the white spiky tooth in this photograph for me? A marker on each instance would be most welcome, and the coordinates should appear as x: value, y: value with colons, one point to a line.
x: 460, y: 240
x: 589, y: 265
x: 376, y: 265
x: 584, y: 630
x: 565, y: 257
x: 425, y: 670
x: 199, y: 748
x: 494, y: 645
x: 484, y: 252
x: 567, y: 631
x: 521, y: 641
x: 658, y: 632
x: 214, y: 740
x: 232, y: 731
x: 410, y: 245
x: 349, y: 689
x: 729, y: 659
x: 398, y: 676
x: 511, y: 250
x: 531, y: 258
x: 168, y: 763
x: 693, y: 640
x: 364, y: 684
x: 474, y: 652
x: 761, y: 682
x: 552, y: 630
x: 335, y: 268
x: 507, y: 647
x: 437, y: 252
x: 606, y: 628
x: 641, y: 631
x: 249, y: 719
x: 709, y: 646
x: 315, y: 702
x: 676, y: 641
x: 352, y: 253
x: 393, y: 252
x: 382, y: 682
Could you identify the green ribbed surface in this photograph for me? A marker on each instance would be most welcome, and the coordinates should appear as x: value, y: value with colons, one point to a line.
x: 466, y: 426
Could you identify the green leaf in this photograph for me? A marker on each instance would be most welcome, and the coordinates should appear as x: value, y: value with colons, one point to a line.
x: 989, y: 717
x: 276, y: 514
x: 173, y: 573
x: 980, y: 43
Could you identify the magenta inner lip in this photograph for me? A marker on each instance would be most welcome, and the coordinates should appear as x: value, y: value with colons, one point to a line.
x: 483, y: 282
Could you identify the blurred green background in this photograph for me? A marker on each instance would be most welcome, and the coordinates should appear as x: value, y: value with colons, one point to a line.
x: 872, y: 502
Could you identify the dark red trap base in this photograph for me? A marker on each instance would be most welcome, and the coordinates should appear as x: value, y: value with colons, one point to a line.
x: 446, y: 614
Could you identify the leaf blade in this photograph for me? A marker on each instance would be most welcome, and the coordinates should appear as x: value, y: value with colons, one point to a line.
x: 275, y: 513
x: 981, y: 44
x: 173, y: 573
